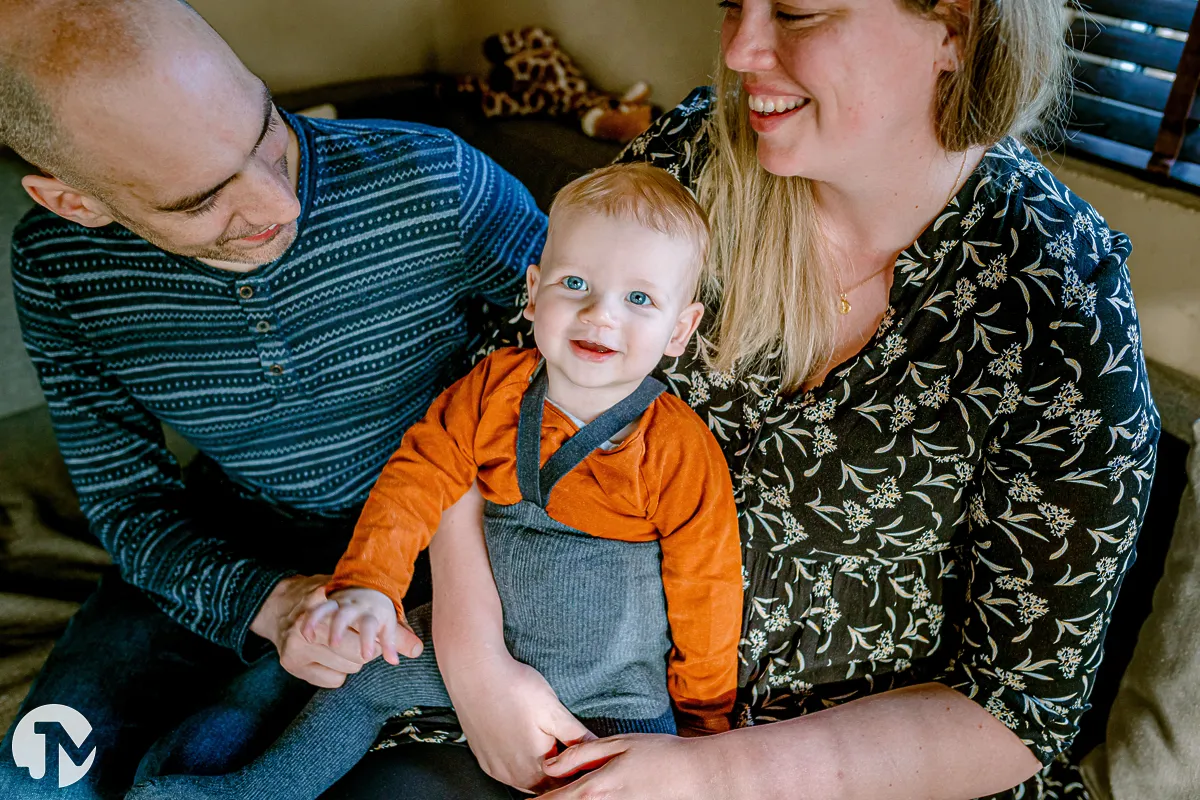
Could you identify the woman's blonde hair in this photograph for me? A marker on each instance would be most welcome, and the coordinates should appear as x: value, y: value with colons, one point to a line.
x: 775, y: 301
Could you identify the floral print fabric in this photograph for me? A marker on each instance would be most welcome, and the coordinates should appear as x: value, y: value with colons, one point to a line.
x: 958, y: 502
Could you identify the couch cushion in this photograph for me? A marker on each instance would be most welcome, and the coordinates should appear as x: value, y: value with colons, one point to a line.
x: 1152, y: 748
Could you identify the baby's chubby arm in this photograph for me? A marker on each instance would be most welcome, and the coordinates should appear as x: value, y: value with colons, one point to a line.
x: 511, y: 716
x: 434, y: 466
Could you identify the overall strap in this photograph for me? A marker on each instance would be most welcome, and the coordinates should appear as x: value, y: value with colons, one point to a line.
x: 529, y: 437
x: 536, y: 484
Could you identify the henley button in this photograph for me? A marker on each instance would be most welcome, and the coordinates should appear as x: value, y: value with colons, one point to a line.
x: 276, y: 369
x: 246, y: 292
x: 263, y: 326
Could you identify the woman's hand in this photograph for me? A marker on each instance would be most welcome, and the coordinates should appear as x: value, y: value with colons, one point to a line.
x: 643, y: 767
x: 512, y: 719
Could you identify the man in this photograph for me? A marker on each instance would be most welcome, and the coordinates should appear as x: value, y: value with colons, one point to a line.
x: 288, y: 294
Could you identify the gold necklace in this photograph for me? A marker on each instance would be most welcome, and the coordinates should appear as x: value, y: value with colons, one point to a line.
x: 844, y: 306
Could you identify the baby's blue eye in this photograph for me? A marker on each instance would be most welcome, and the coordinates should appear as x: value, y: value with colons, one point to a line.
x: 576, y: 283
x: 639, y: 298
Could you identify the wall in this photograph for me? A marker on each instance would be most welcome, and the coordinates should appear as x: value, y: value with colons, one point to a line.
x: 671, y: 44
x: 304, y: 43
x: 1164, y: 226
x: 18, y: 382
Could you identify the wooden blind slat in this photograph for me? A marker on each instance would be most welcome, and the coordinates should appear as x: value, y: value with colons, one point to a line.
x: 1145, y: 49
x: 1120, y: 123
x: 1109, y: 150
x: 1186, y: 171
x: 1175, y: 14
x: 1190, y: 150
x: 1134, y: 88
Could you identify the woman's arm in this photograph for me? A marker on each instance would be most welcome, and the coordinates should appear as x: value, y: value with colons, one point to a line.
x: 926, y: 741
x: 511, y: 716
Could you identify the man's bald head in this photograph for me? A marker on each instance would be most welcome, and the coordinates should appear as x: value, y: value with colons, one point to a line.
x: 141, y: 114
x: 53, y: 49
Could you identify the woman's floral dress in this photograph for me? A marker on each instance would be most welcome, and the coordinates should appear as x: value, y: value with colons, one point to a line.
x: 960, y: 501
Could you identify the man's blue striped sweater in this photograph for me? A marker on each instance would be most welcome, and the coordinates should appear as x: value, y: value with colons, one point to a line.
x: 298, y: 378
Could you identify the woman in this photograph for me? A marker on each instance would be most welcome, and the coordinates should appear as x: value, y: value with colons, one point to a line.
x: 925, y: 370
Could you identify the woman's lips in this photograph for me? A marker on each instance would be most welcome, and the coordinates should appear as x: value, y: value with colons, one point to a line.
x: 764, y: 123
x: 591, y: 351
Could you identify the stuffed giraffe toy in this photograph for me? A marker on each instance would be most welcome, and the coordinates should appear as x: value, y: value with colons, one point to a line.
x: 531, y: 75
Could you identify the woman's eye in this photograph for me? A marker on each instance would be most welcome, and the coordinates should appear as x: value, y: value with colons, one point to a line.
x: 574, y: 283
x: 728, y: 5
x: 639, y: 298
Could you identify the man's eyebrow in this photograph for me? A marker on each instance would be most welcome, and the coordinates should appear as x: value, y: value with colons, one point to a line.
x: 192, y: 201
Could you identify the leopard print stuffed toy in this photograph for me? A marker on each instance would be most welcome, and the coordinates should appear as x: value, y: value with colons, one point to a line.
x: 531, y: 75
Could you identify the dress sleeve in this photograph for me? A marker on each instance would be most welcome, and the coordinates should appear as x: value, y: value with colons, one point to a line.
x: 676, y: 141
x: 432, y: 470
x: 129, y: 484
x: 701, y: 571
x: 1059, y: 499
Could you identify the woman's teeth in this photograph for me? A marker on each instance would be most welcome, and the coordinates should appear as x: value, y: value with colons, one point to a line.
x: 773, y: 105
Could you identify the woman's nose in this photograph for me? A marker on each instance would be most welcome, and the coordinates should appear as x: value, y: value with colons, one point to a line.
x: 750, y: 39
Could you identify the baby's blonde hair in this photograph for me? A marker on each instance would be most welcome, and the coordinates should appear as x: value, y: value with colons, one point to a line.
x: 639, y: 192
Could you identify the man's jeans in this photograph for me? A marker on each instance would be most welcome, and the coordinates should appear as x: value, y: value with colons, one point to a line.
x: 137, y: 676
x: 161, y: 699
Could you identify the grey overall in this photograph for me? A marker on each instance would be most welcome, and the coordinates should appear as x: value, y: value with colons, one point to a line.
x: 588, y: 613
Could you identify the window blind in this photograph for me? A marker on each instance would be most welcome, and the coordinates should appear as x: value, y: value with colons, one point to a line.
x: 1137, y: 72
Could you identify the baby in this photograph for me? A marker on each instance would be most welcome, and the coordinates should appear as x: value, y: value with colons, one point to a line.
x: 609, y: 518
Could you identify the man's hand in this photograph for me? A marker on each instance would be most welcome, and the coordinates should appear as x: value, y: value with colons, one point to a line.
x: 278, y: 620
x: 512, y: 719
x: 368, y: 613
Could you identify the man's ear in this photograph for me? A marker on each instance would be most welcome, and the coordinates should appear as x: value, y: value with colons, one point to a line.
x: 67, y: 202
x: 531, y: 281
x: 685, y: 326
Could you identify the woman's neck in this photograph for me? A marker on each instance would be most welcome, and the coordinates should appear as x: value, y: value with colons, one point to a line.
x: 877, y: 212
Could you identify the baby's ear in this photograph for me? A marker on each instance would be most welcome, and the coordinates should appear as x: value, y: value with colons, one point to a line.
x: 531, y: 282
x: 685, y: 326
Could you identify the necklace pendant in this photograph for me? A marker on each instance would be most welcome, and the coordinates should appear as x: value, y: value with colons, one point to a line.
x: 844, y: 306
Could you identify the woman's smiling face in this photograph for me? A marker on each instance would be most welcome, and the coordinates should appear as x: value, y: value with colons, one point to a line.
x: 835, y: 85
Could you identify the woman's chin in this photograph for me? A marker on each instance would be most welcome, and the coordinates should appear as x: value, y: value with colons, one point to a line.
x: 786, y: 163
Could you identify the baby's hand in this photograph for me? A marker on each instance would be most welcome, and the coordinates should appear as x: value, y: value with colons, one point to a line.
x: 372, y: 616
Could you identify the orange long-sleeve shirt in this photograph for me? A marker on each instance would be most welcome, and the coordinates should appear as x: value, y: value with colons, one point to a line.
x: 667, y: 480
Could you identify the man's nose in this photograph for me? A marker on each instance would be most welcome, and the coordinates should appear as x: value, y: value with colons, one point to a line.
x: 271, y: 199
x: 751, y: 48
